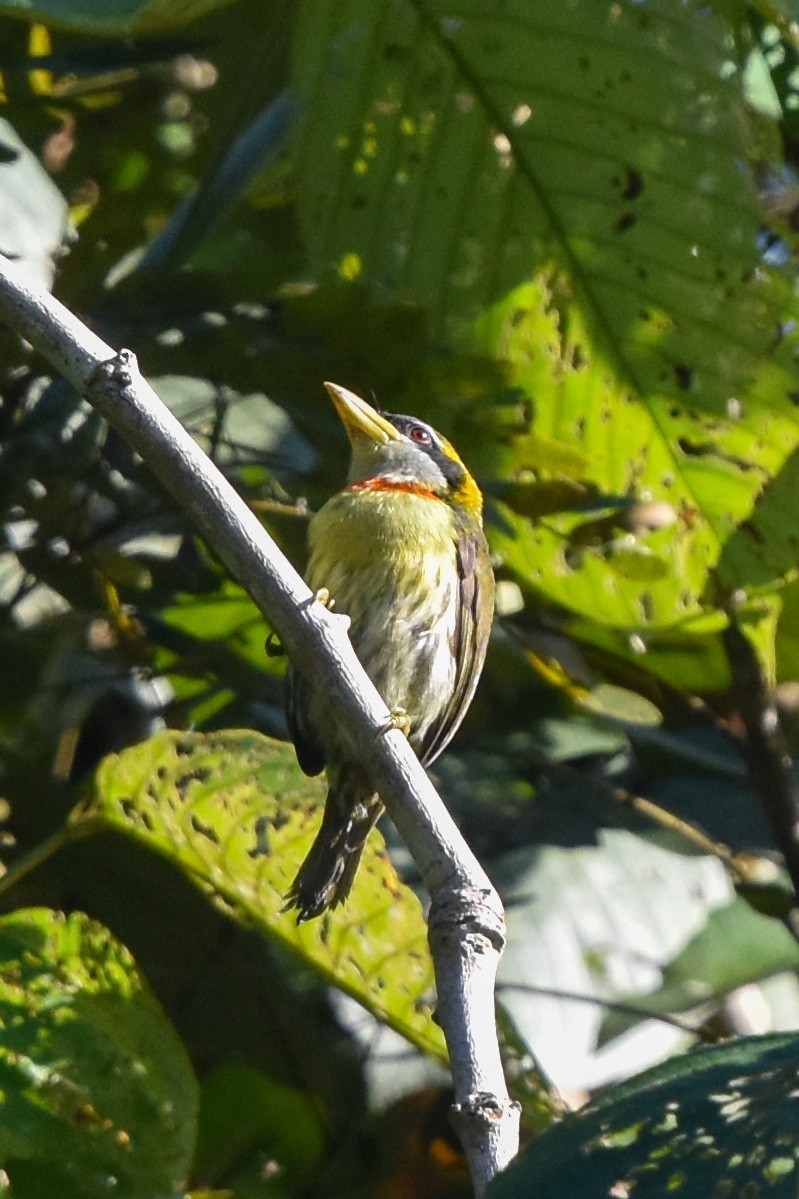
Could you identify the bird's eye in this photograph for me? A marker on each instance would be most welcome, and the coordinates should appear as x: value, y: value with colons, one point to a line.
x: 420, y: 435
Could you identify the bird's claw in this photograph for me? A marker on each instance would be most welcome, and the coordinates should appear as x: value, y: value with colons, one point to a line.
x: 322, y: 596
x: 398, y: 719
x: 273, y: 646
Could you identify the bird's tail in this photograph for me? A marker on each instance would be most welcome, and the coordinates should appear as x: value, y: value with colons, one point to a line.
x: 326, y: 876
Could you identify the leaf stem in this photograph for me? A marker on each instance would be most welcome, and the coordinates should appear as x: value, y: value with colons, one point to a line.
x: 73, y: 830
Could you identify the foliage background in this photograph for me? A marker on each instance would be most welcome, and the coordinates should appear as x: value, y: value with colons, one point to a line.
x: 564, y: 235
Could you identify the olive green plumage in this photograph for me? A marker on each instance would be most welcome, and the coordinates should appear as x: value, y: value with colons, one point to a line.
x: 401, y: 551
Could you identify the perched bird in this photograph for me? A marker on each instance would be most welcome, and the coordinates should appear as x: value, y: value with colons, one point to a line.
x: 401, y: 551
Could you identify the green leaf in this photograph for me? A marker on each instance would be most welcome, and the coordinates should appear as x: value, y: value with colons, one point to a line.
x: 227, y: 618
x: 765, y: 546
x: 96, y: 1092
x: 705, y: 472
x: 618, y: 907
x: 736, y: 946
x: 527, y: 200
x: 788, y: 634
x: 243, y: 1109
x: 715, y: 1122
x: 617, y: 703
x: 527, y: 1083
x: 233, y: 811
x: 450, y: 151
x: 111, y: 18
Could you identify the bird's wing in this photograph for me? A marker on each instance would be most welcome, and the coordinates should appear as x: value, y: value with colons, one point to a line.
x: 310, y: 754
x: 475, y: 613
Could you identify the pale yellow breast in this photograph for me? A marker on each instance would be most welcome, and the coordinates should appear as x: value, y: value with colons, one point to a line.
x: 389, y: 562
x: 359, y: 529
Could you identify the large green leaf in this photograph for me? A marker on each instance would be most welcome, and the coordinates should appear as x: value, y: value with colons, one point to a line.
x: 451, y: 149
x: 97, y: 1096
x: 612, y: 920
x: 714, y: 1123
x: 242, y: 1108
x: 708, y: 477
x: 736, y: 946
x: 589, y: 925
x: 233, y: 811
x: 574, y: 206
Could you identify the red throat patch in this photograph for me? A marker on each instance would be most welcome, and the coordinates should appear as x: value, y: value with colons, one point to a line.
x: 379, y: 484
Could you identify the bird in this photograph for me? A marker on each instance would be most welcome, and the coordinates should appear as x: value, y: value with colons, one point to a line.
x: 402, y: 552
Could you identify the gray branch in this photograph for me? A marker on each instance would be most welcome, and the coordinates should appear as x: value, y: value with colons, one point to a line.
x: 466, y: 923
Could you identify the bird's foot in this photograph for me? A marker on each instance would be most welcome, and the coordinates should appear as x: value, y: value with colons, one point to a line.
x: 273, y: 646
x: 398, y: 719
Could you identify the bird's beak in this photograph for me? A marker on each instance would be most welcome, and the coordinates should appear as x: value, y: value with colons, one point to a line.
x: 360, y: 419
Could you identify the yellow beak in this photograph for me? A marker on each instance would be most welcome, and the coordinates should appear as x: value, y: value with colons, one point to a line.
x: 360, y: 418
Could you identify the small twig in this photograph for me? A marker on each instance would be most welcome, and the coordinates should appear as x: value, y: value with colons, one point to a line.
x: 765, y: 747
x: 298, y: 510
x: 636, y: 1011
x: 467, y: 931
x: 741, y: 866
x: 736, y: 864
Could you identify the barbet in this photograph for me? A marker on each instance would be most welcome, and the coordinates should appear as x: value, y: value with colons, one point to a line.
x: 401, y: 551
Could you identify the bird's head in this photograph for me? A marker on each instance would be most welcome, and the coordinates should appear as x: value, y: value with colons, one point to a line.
x: 402, y: 452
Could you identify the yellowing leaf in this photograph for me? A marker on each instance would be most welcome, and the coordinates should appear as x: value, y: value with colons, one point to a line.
x: 233, y: 811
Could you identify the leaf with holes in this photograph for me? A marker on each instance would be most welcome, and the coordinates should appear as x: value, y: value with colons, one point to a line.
x: 717, y: 1121
x: 449, y: 151
x: 234, y: 813
x: 580, y: 215
x: 680, y: 488
x: 97, y: 1095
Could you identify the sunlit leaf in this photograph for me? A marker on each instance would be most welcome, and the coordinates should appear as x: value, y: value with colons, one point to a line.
x: 450, y: 150
x: 233, y: 811
x: 617, y: 703
x: 716, y: 1121
x: 765, y: 546
x: 96, y: 1092
x: 708, y: 471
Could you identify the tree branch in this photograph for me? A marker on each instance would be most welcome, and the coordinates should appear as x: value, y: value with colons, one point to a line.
x: 466, y: 923
x: 766, y: 752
